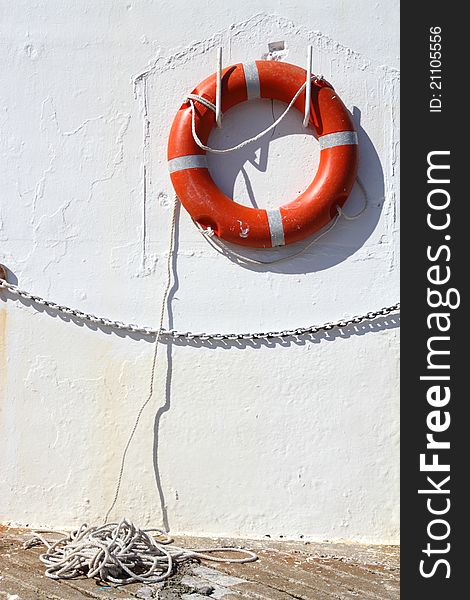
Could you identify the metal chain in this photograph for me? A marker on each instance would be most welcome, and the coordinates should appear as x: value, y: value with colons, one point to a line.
x: 173, y: 334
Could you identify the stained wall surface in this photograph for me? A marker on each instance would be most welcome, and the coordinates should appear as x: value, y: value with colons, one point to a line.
x: 292, y: 439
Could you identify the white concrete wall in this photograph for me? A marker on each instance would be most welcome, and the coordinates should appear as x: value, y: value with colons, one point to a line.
x: 293, y: 439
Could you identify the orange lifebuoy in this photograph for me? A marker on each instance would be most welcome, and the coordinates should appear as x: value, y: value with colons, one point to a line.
x: 254, y: 227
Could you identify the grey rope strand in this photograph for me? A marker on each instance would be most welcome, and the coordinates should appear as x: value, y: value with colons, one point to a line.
x: 154, y: 357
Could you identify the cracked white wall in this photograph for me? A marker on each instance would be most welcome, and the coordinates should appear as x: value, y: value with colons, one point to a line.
x: 297, y: 439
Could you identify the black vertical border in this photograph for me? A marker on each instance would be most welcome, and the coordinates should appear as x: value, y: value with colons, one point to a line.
x: 423, y: 132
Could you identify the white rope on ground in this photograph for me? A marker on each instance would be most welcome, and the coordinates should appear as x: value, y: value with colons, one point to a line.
x: 121, y: 553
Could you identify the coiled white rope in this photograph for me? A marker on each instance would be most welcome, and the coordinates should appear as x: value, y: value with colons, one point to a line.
x: 121, y: 553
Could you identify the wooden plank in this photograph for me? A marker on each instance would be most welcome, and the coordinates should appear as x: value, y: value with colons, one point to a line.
x: 302, y: 579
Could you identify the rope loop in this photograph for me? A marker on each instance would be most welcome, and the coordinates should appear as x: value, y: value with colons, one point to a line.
x: 122, y: 553
x: 192, y: 98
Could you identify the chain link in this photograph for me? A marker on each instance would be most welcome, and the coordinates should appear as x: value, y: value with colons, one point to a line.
x: 188, y: 335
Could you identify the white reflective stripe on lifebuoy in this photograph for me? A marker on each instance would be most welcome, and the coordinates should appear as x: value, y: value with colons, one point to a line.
x: 276, y: 228
x: 341, y: 138
x: 252, y: 80
x: 191, y: 161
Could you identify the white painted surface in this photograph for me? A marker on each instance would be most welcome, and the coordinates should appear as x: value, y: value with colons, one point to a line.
x: 296, y: 439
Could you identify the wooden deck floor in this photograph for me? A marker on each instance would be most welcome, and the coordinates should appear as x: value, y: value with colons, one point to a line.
x: 286, y: 570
